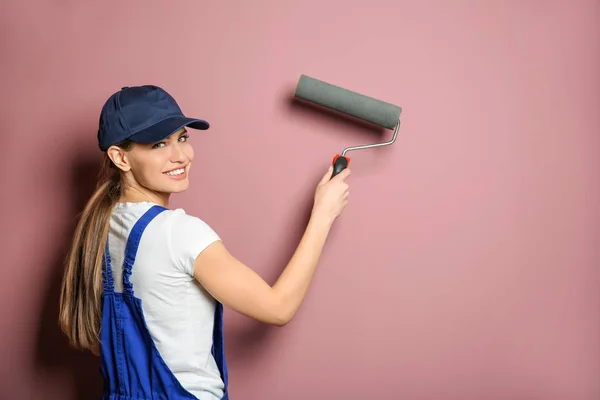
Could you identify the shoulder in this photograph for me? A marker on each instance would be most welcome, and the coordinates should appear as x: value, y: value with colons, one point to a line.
x: 179, y: 221
x: 187, y: 236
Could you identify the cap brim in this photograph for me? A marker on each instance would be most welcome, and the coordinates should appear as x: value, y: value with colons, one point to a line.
x: 166, y: 128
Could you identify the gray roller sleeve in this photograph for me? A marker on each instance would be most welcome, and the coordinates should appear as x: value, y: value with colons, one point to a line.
x: 345, y: 101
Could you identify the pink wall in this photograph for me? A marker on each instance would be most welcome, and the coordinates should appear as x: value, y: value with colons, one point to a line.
x: 466, y: 265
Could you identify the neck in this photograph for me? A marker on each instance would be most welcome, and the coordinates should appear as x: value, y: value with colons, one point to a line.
x: 133, y: 194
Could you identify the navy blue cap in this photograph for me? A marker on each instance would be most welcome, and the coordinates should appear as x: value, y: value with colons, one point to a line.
x: 144, y: 114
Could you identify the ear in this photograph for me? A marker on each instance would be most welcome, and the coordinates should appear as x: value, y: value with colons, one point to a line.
x: 119, y: 158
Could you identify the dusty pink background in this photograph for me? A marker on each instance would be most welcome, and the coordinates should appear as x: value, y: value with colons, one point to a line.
x: 466, y: 265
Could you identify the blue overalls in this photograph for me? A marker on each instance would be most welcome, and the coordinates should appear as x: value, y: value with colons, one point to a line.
x: 131, y: 365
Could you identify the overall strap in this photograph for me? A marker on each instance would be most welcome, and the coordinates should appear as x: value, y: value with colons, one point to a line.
x: 218, y: 347
x: 107, y: 276
x: 133, y: 243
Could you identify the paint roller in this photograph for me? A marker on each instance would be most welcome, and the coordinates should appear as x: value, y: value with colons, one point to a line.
x: 356, y: 105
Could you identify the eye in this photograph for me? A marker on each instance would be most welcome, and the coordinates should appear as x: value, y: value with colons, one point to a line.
x: 181, y: 139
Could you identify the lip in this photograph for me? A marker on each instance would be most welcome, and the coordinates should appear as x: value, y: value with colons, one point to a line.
x: 176, y: 168
x: 178, y: 177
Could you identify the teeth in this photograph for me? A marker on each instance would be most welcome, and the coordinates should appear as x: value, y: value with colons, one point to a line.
x: 176, y: 172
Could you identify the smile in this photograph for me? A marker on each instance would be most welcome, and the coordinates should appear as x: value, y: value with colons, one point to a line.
x: 175, y: 172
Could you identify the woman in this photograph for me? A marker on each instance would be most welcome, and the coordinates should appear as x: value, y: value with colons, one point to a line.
x: 144, y: 285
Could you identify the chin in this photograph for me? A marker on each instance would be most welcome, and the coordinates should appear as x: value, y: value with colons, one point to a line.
x: 178, y: 187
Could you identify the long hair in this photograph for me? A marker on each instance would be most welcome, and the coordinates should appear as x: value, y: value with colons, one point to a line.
x: 80, y: 297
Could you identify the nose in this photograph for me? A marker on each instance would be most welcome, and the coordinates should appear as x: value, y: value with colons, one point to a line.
x: 177, y: 154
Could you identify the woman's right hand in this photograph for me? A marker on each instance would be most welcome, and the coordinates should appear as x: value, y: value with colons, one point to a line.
x: 331, y: 195
x: 237, y: 286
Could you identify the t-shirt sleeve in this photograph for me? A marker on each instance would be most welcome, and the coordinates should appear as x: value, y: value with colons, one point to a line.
x: 189, y: 237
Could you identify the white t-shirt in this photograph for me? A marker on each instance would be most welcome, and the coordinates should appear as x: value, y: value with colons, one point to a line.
x: 179, y: 312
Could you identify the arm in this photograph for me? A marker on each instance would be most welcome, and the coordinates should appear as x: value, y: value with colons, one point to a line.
x: 237, y: 286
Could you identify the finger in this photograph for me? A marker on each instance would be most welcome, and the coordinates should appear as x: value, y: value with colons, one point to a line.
x: 342, y: 175
x: 327, y: 175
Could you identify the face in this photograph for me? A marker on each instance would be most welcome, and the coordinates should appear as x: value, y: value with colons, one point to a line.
x: 161, y: 167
